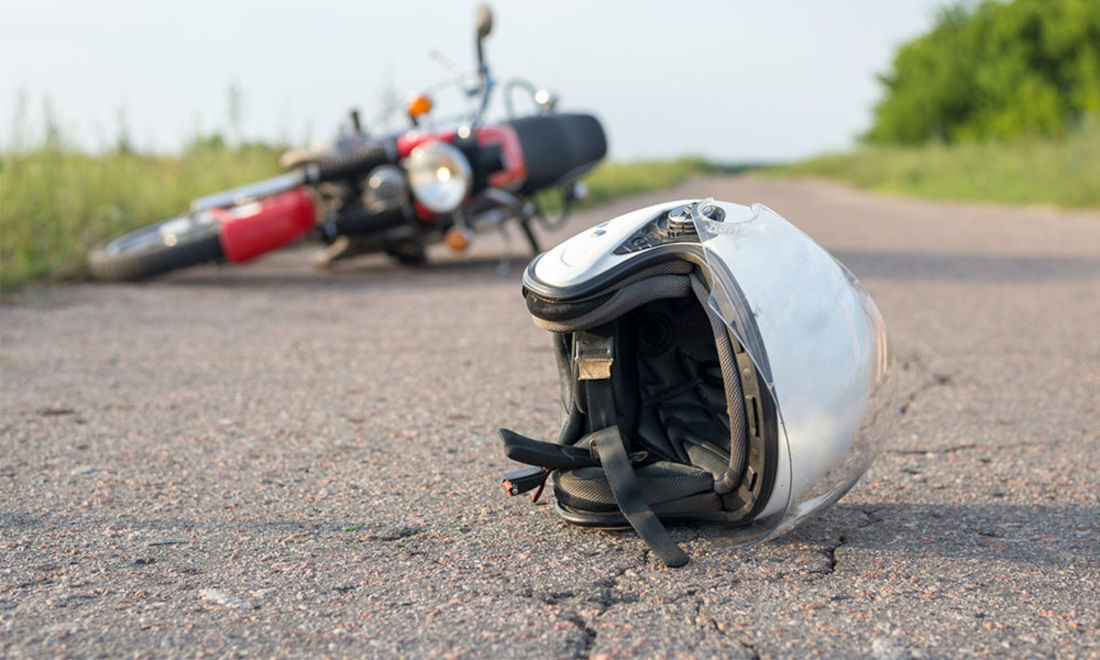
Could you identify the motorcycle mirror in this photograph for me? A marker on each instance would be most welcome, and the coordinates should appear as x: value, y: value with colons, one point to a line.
x: 484, y: 21
x: 546, y: 100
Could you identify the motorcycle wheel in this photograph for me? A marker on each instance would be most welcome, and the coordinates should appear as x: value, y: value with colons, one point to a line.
x: 157, y: 248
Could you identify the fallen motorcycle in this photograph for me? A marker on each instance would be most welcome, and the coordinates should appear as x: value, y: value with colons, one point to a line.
x: 396, y: 194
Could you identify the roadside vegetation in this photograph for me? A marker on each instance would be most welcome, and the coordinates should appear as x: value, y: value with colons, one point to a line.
x: 612, y: 179
x: 1062, y: 171
x: 55, y: 202
x: 1000, y: 101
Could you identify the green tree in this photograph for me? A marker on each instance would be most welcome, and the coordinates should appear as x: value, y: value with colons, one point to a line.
x: 994, y: 70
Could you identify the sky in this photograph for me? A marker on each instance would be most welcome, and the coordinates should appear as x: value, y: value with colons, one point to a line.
x: 733, y: 80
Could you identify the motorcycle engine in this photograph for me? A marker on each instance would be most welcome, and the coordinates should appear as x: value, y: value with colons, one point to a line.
x: 385, y: 189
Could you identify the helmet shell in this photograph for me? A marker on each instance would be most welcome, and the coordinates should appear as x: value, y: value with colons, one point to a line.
x: 816, y: 337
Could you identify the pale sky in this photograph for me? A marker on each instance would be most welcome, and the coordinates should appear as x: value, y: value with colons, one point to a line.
x: 732, y: 81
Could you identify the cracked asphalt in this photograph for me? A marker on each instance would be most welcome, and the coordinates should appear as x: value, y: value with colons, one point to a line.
x: 275, y: 461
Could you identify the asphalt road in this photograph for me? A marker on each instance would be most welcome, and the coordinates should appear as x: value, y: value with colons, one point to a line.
x: 274, y: 461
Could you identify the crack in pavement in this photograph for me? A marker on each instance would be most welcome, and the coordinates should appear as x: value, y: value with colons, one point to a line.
x: 830, y: 554
x: 872, y: 515
x: 607, y: 596
x: 841, y: 540
x: 954, y: 448
x: 394, y: 535
x: 609, y: 593
x: 589, y: 636
x: 937, y: 380
x: 716, y: 627
x: 922, y: 452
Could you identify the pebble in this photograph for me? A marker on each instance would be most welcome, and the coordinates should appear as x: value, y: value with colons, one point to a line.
x: 222, y: 598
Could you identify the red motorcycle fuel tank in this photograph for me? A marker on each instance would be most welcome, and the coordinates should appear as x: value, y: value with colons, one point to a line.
x: 252, y: 229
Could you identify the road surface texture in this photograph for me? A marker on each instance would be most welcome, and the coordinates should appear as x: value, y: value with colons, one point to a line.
x: 275, y: 461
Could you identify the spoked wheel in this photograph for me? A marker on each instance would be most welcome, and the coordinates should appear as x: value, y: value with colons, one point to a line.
x: 185, y: 240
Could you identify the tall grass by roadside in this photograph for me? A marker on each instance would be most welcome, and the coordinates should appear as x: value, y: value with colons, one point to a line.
x: 56, y: 203
x: 613, y: 179
x: 1063, y: 171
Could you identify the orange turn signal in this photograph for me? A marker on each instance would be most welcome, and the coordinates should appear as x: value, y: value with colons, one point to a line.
x: 458, y: 239
x: 418, y: 105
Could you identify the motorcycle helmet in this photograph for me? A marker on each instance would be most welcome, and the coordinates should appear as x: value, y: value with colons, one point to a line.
x: 717, y: 367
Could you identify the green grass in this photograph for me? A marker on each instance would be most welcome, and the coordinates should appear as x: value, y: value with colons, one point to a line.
x: 55, y: 204
x: 612, y: 179
x: 1064, y: 172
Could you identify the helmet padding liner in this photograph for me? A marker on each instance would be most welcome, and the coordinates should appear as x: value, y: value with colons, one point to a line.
x: 672, y: 396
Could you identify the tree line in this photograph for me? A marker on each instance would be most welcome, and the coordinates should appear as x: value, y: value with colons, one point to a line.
x: 994, y: 70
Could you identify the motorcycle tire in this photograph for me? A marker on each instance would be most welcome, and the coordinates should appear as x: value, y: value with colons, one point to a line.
x: 155, y: 249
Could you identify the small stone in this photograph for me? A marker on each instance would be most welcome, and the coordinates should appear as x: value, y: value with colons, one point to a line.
x: 222, y: 598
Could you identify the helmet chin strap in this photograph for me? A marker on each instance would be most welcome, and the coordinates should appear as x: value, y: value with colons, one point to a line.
x: 594, y: 354
x: 611, y: 449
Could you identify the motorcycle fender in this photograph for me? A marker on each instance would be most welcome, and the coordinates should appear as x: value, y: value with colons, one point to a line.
x: 251, y: 229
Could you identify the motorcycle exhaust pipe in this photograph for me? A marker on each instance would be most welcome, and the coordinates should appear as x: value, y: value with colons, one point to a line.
x: 363, y: 222
x: 359, y: 162
x: 265, y: 188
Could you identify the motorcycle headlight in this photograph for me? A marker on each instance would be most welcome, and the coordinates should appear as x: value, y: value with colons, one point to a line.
x: 439, y: 176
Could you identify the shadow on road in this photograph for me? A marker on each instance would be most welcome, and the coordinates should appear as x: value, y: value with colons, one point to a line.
x: 984, y: 268
x: 1044, y: 535
x: 1048, y: 535
x: 379, y: 274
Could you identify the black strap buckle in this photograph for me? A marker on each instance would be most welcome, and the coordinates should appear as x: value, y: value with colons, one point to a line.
x: 593, y: 356
x: 520, y: 481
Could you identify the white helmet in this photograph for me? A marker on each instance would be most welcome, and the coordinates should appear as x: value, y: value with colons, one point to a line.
x: 717, y: 366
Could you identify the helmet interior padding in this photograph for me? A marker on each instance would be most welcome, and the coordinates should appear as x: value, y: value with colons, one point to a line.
x: 671, y: 390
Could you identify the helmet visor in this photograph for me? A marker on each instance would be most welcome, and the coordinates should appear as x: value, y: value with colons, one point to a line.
x: 820, y: 345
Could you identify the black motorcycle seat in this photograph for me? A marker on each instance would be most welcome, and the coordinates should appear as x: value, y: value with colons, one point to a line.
x: 559, y: 147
